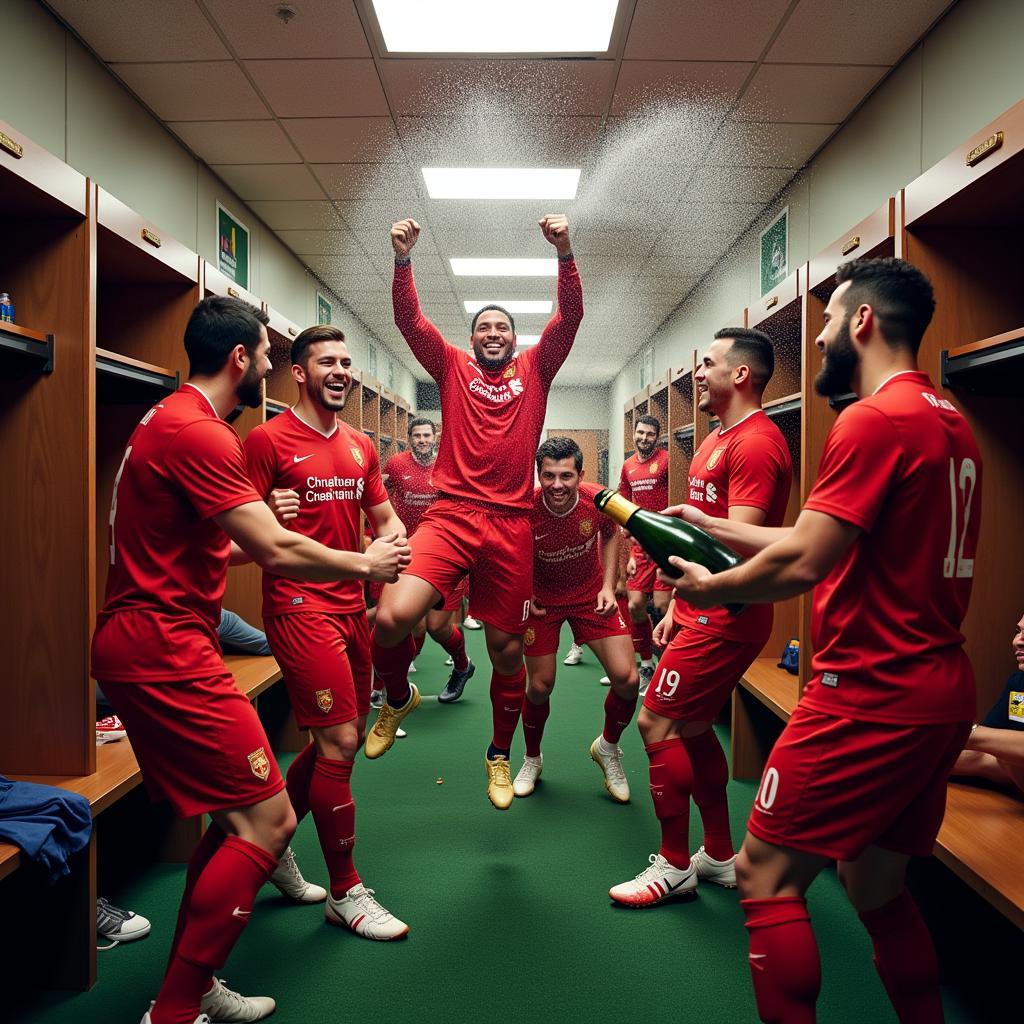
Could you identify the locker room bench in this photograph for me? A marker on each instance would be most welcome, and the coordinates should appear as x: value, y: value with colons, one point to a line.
x: 72, y: 963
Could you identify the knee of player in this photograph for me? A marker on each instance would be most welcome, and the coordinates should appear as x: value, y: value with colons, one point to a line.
x: 626, y: 686
x: 746, y: 875
x: 280, y: 831
x: 506, y: 654
x: 539, y: 689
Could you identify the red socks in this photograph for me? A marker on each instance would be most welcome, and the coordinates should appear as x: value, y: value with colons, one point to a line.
x: 419, y: 641
x: 642, y: 638
x: 207, y: 846
x: 455, y: 645
x: 905, y: 960
x: 221, y: 902
x: 299, y: 779
x: 710, y: 777
x: 671, y: 784
x: 506, y: 705
x: 334, y: 811
x: 391, y: 667
x: 618, y: 713
x: 534, y: 717
x: 784, y: 959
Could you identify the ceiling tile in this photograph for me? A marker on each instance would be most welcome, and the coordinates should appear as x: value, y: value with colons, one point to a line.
x: 236, y: 142
x: 737, y: 184
x: 794, y: 92
x: 371, y: 222
x: 367, y: 181
x: 143, y: 30
x: 696, y: 243
x: 336, y: 269
x: 210, y: 91
x: 677, y: 135
x: 320, y: 88
x: 867, y: 32
x: 269, y: 181
x: 751, y: 144
x: 299, y: 215
x: 648, y: 84
x: 322, y: 242
x: 613, y: 243
x: 714, y: 218
x: 696, y: 30
x: 320, y: 28
x: 424, y: 264
x: 677, y: 266
x: 344, y: 139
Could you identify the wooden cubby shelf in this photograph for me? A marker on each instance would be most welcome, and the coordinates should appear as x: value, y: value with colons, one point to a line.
x: 123, y: 379
x: 24, y: 349
x: 784, y: 406
x: 990, y: 366
x: 684, y: 435
x: 275, y: 408
x: 839, y: 402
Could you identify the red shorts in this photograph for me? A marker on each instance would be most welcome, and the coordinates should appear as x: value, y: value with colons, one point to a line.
x: 456, y: 539
x: 696, y: 675
x: 326, y: 665
x: 835, y: 786
x: 542, y: 631
x: 200, y: 745
x: 454, y: 601
x: 645, y: 580
x: 374, y: 588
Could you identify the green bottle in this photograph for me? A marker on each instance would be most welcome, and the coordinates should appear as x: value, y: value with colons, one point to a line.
x: 662, y: 536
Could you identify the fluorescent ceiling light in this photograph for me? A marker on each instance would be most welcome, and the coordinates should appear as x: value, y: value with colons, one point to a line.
x: 483, y: 26
x: 501, y: 182
x: 511, y: 305
x: 504, y: 268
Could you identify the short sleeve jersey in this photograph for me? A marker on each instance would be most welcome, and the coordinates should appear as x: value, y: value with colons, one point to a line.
x: 903, y: 466
x: 567, y: 569
x: 1008, y: 710
x: 168, y: 557
x: 748, y: 464
x: 336, y: 476
x: 645, y: 482
x: 411, y: 487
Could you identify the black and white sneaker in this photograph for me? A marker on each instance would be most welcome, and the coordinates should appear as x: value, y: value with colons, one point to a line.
x: 117, y: 925
x: 456, y: 684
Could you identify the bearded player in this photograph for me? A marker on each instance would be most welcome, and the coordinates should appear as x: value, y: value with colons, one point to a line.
x: 644, y: 481
x: 859, y: 773
x: 493, y: 400
x: 318, y: 631
x: 742, y: 472
x: 575, y: 566
x: 182, y: 508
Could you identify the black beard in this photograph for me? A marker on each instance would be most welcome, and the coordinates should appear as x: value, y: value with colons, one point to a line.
x: 492, y: 365
x: 317, y: 394
x: 249, y: 391
x: 836, y: 374
x: 423, y: 459
x: 646, y: 449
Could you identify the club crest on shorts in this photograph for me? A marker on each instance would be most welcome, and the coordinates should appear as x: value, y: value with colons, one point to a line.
x: 716, y: 457
x: 259, y: 764
x: 529, y: 636
x: 587, y: 527
x: 324, y: 700
x: 357, y: 455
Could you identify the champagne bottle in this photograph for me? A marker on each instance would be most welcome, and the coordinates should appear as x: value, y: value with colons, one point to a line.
x: 663, y: 536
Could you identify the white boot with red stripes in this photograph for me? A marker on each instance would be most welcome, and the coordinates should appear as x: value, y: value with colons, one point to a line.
x: 360, y: 912
x: 661, y: 881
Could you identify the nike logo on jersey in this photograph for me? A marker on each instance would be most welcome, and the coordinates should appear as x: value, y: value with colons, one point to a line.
x: 240, y: 913
x: 301, y: 458
x: 539, y: 536
x: 408, y: 476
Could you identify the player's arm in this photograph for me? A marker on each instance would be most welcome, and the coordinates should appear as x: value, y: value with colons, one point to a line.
x: 423, y: 338
x: 610, y: 565
x: 742, y: 533
x: 385, y: 521
x: 238, y: 556
x: 559, y: 334
x: 788, y: 567
x: 1005, y: 745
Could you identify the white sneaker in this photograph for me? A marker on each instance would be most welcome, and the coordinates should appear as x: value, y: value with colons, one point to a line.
x: 646, y: 675
x: 605, y: 681
x: 412, y: 667
x: 361, y: 913
x: 614, y: 776
x: 661, y: 881
x: 119, y: 925
x: 401, y: 734
x: 223, y: 1006
x: 201, y: 1019
x: 526, y: 780
x: 288, y: 879
x: 721, y: 872
x: 471, y: 623
x: 575, y: 655
x: 450, y: 661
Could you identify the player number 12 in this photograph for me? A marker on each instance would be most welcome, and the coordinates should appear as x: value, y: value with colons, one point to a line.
x: 961, y: 486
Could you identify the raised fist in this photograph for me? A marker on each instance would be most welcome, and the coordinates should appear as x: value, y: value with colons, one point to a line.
x: 556, y: 230
x: 403, y: 237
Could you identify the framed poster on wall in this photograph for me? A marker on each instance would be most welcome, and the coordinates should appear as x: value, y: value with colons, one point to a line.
x: 232, y: 247
x: 324, y: 309
x: 775, y: 252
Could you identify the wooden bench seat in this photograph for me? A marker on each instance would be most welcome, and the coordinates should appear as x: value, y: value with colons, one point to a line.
x: 10, y: 859
x: 774, y: 687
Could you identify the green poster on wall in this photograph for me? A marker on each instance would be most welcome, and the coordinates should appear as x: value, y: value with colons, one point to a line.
x: 324, y: 310
x: 232, y: 247
x: 775, y: 252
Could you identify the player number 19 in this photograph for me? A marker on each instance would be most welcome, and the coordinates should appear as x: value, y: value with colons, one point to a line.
x: 668, y: 683
x: 961, y: 494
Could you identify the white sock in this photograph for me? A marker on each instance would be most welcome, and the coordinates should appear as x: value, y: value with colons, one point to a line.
x: 534, y: 760
x: 649, y: 663
x: 605, y: 748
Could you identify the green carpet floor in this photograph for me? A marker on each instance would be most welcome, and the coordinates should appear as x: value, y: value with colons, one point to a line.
x: 509, y: 914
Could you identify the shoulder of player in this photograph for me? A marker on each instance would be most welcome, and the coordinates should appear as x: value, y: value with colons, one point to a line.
x: 588, y: 492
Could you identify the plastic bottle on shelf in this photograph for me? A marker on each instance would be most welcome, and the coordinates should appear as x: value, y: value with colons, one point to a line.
x: 6, y: 308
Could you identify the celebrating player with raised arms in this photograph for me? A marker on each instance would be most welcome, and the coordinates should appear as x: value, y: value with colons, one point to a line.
x: 575, y: 566
x: 318, y: 631
x: 887, y: 537
x: 493, y: 400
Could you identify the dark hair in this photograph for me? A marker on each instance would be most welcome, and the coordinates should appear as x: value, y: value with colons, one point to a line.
x: 310, y: 336
x: 900, y: 295
x: 216, y: 326
x: 500, y: 309
x: 421, y: 421
x: 558, y: 448
x: 651, y: 421
x: 751, y: 348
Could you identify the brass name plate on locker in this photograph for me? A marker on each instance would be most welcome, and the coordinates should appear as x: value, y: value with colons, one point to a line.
x: 293, y: 332
x: 152, y: 237
x: 233, y: 292
x: 16, y: 149
x: 850, y: 244
x: 983, y: 149
x: 772, y: 302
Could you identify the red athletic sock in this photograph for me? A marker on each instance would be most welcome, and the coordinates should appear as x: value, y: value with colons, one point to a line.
x: 391, y: 667
x: 905, y: 960
x: 455, y: 645
x: 299, y: 778
x: 207, y: 846
x: 419, y: 641
x: 334, y: 811
x: 710, y: 776
x: 506, y: 706
x: 671, y: 782
x: 784, y: 960
x: 618, y: 713
x: 219, y: 909
x: 642, y: 639
x: 534, y: 717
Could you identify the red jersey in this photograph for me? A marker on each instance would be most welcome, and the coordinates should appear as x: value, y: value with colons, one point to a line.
x: 748, y: 464
x: 903, y: 466
x: 567, y: 570
x: 168, y: 558
x: 492, y: 421
x: 411, y: 487
x: 335, y: 475
x: 645, y: 481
